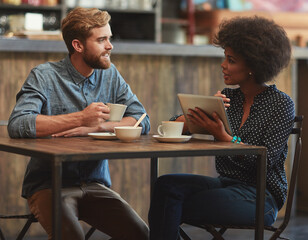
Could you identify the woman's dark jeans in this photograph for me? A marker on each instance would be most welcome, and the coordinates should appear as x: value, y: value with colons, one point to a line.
x: 188, y: 198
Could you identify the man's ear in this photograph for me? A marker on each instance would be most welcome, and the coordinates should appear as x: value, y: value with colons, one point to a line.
x: 77, y: 45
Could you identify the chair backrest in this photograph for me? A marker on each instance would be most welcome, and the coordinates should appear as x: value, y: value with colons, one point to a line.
x: 297, y: 130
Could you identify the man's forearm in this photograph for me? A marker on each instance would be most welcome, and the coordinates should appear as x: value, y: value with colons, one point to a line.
x: 109, y: 126
x: 47, y: 125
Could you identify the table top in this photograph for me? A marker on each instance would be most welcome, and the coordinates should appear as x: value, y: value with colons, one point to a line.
x: 86, y: 148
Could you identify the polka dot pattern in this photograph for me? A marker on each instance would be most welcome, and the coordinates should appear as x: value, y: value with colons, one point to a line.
x: 269, y: 124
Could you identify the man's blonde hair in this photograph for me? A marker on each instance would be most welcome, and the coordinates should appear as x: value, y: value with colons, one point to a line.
x: 79, y: 22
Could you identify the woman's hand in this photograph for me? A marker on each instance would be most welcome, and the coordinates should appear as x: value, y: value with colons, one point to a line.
x: 212, y: 124
x: 224, y: 98
x: 182, y: 119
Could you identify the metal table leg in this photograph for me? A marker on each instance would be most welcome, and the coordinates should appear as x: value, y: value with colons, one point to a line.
x: 261, y: 185
x: 56, y: 199
x: 154, y: 174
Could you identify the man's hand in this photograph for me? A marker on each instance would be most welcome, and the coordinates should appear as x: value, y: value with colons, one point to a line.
x: 87, y: 120
x: 76, y: 132
x: 95, y: 114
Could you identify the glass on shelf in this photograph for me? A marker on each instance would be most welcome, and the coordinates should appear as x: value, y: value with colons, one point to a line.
x: 16, y: 22
x: 50, y: 22
x: 4, y: 24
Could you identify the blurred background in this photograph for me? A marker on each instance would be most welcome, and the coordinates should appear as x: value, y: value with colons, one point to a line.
x: 172, y: 21
x: 161, y: 47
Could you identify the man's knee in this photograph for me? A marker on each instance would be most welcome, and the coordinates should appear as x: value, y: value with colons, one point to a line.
x: 140, y: 231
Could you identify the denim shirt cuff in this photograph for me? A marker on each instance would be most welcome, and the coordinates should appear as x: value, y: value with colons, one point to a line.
x: 28, y: 126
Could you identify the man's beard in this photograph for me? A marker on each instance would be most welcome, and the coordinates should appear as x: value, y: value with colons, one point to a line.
x: 96, y: 61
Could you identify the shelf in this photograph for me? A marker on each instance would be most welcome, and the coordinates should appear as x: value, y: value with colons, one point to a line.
x: 130, y: 24
x: 176, y: 21
x: 128, y: 10
x: 25, y: 7
x: 134, y: 11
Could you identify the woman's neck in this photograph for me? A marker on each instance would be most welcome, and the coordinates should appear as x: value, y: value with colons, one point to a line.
x: 252, y: 90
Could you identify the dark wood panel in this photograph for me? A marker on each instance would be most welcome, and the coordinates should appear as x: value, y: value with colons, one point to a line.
x: 302, y: 183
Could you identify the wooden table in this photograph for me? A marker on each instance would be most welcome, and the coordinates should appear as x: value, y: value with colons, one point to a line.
x: 59, y: 150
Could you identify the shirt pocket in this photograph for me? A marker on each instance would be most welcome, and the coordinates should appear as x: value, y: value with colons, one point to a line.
x: 63, y: 109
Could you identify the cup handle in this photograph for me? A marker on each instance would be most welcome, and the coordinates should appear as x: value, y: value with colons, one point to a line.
x: 160, y: 130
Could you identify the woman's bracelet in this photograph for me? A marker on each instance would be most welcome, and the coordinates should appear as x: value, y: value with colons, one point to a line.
x: 175, y: 117
x: 236, y: 139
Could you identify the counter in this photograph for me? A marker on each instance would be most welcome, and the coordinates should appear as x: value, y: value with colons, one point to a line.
x: 25, y: 45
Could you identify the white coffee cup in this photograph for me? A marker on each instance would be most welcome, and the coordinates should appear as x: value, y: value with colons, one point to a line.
x: 116, y: 111
x: 170, y: 129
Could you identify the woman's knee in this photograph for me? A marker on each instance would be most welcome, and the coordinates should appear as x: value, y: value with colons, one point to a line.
x: 164, y: 179
x: 169, y: 181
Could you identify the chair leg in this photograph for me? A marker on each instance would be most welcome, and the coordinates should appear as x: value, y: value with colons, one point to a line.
x: 216, y: 234
x: 24, y: 230
x: 1, y: 235
x: 184, y: 234
x: 89, y: 233
x: 277, y: 235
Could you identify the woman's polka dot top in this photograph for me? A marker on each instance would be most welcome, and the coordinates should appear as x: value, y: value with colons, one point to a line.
x: 269, y: 124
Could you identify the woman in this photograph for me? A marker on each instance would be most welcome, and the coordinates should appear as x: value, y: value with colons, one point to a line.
x: 256, y: 50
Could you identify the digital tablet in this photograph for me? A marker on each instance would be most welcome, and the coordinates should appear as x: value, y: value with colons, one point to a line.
x: 208, y: 104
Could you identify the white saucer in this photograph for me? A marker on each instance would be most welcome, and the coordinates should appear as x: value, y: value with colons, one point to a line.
x: 182, y: 138
x: 103, y: 135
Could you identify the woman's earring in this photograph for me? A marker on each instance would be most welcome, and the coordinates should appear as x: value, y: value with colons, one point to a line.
x: 250, y: 74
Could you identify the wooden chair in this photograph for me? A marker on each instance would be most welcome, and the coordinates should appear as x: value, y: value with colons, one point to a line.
x: 29, y: 217
x: 218, y: 230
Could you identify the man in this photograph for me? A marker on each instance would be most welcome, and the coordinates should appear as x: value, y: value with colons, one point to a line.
x: 65, y: 99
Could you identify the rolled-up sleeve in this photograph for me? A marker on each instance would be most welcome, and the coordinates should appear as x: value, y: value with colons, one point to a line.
x: 29, y: 102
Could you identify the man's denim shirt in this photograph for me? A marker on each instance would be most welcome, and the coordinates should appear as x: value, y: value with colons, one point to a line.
x: 57, y: 88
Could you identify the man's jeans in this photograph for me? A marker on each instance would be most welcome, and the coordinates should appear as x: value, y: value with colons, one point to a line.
x: 187, y: 198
